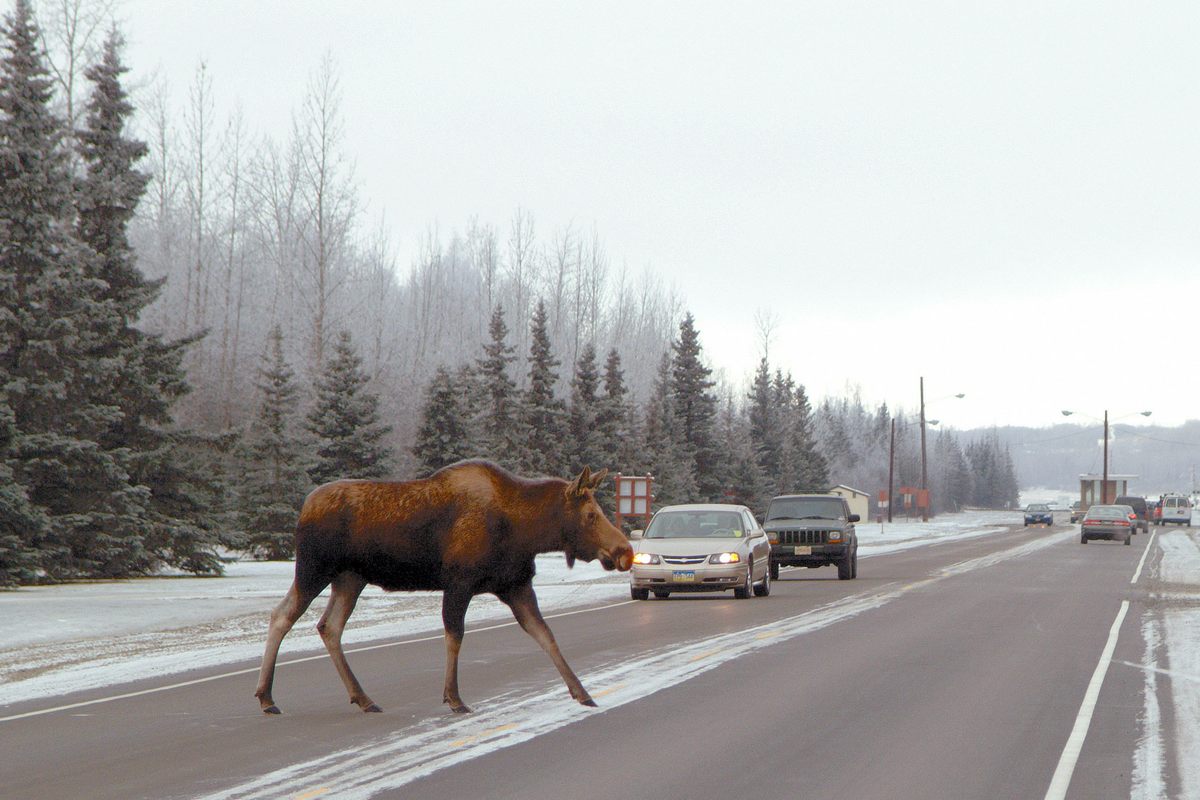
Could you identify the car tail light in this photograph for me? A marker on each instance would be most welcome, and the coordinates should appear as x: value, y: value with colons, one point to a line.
x: 1124, y: 522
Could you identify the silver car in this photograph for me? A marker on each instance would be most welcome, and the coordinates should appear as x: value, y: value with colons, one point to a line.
x: 701, y: 548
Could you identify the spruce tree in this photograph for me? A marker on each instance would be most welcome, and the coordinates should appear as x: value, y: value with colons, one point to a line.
x: 746, y: 483
x: 544, y: 415
x: 498, y: 421
x: 617, y: 431
x: 55, y: 323
x: 812, y: 474
x: 274, y: 482
x: 345, y: 420
x: 694, y: 407
x: 442, y: 437
x: 20, y: 521
x: 586, y: 445
x: 766, y: 434
x: 669, y: 461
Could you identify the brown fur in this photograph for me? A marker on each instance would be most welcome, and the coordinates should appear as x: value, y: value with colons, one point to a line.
x: 468, y: 529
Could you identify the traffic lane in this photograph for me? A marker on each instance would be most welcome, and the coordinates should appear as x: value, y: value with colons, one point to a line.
x: 967, y: 688
x: 206, y: 734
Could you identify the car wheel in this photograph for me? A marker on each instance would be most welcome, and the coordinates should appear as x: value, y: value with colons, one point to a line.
x: 1082, y: 539
x: 662, y: 595
x: 745, y: 591
x: 763, y: 589
x: 639, y: 594
x: 845, y: 568
x: 1128, y: 538
x: 774, y: 569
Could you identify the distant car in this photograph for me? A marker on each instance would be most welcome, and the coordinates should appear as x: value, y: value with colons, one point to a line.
x: 1138, y: 504
x: 1077, y: 511
x: 1176, y: 510
x: 1153, y: 510
x: 1106, y: 522
x: 1038, y: 514
x: 812, y: 530
x: 701, y: 548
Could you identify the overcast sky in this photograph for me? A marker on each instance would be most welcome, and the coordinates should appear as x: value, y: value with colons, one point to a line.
x: 1001, y: 197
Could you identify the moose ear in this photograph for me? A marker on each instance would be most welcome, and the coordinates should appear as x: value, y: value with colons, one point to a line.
x: 580, y: 484
x: 598, y: 477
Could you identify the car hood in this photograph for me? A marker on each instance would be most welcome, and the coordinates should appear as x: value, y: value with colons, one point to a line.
x: 690, y: 547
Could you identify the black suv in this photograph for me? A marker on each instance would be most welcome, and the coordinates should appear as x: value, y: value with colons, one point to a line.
x: 812, y: 530
x: 1138, y: 504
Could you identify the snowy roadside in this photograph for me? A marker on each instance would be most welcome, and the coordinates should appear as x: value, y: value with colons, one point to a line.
x: 84, y: 636
x: 1172, y: 668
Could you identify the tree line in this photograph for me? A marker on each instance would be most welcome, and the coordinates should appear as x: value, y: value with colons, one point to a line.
x: 196, y: 332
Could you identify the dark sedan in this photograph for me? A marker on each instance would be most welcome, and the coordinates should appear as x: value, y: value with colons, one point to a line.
x: 1038, y: 514
x: 1106, y: 522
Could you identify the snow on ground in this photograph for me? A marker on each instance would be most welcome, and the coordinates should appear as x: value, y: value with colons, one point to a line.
x: 87, y: 635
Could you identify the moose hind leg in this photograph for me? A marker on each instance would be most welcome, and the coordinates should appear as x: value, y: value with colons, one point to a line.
x: 454, y: 614
x: 290, y: 609
x: 523, y: 603
x: 344, y: 595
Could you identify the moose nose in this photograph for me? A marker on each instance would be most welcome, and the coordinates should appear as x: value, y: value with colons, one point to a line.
x: 623, y: 558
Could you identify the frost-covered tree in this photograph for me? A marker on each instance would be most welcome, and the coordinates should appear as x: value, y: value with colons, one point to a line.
x: 499, y: 419
x: 694, y: 406
x: 543, y: 414
x: 274, y: 481
x: 585, y: 447
x: 443, y: 437
x: 345, y: 420
x: 667, y: 457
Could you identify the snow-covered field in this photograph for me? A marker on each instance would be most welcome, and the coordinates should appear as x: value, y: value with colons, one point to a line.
x: 88, y: 635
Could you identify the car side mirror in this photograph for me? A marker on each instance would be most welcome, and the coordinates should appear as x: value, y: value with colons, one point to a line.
x: 853, y: 518
x: 635, y: 535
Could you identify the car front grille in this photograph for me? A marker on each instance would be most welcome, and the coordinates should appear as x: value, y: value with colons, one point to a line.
x: 685, y: 559
x: 803, y: 537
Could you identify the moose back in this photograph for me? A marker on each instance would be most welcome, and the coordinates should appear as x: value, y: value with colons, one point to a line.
x: 469, y: 528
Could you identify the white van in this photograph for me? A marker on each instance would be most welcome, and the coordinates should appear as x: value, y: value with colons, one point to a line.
x: 1176, y: 509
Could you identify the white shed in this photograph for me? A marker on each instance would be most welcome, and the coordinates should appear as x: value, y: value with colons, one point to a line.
x: 860, y: 501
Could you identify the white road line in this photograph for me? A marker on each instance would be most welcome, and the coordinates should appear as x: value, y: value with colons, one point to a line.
x: 1083, y: 720
x: 1138, y: 573
x: 236, y: 673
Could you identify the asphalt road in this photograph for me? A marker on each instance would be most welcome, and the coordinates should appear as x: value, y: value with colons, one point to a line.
x: 951, y: 671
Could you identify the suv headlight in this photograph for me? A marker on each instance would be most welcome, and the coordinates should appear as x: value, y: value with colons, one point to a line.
x: 724, y: 558
x: 835, y: 536
x: 773, y: 537
x: 646, y: 558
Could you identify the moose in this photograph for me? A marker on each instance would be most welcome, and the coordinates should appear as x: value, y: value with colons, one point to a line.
x: 469, y: 528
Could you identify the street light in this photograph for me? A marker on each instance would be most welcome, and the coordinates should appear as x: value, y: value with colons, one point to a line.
x: 1104, y: 480
x: 892, y: 460
x: 924, y: 477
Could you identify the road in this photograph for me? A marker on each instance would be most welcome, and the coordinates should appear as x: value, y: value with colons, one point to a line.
x: 960, y: 670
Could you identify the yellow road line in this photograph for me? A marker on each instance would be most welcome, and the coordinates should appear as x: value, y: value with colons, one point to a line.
x: 706, y: 655
x: 312, y: 794
x: 609, y: 690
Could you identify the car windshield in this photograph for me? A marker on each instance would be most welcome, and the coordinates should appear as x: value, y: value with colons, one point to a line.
x: 1039, y: 507
x: 695, y: 525
x: 1108, y: 512
x: 806, y: 508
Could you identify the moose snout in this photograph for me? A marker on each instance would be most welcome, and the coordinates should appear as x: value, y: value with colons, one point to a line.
x: 619, y: 558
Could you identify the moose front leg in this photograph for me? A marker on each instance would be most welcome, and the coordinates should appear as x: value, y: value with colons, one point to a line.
x: 454, y: 615
x: 524, y: 605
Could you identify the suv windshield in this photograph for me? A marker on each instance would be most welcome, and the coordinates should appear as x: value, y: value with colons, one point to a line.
x: 695, y: 525
x: 806, y: 508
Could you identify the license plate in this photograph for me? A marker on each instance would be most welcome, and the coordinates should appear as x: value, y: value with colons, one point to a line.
x: 803, y: 551
x: 684, y: 576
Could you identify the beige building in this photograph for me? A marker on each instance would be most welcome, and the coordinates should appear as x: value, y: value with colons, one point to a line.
x: 860, y: 501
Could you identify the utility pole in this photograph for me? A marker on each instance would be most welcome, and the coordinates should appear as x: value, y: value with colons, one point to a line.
x: 891, y: 468
x: 1104, y: 485
x: 924, y: 508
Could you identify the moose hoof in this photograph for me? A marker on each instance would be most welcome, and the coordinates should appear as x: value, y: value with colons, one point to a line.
x: 589, y: 702
x: 373, y: 709
x: 271, y: 709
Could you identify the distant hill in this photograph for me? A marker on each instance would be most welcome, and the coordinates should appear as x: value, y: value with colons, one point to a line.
x: 1164, y: 459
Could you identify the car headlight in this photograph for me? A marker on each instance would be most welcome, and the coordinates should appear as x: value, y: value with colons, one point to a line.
x: 646, y: 558
x: 835, y: 536
x: 724, y: 558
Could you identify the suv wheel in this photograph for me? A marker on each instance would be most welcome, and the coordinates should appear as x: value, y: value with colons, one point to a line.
x: 854, y: 565
x: 846, y: 567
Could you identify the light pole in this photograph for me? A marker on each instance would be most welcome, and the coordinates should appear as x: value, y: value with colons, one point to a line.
x: 1104, y: 480
x: 924, y: 475
x: 892, y: 458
